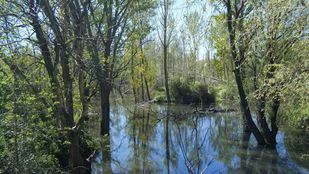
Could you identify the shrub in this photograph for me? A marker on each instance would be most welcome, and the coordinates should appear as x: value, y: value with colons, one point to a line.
x: 186, y: 92
x: 204, y: 96
x: 159, y: 95
x: 181, y: 91
x: 227, y: 95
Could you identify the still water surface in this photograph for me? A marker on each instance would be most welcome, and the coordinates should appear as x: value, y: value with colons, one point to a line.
x: 171, y: 139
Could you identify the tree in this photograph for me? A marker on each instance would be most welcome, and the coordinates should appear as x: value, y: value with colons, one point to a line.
x: 140, y: 69
x: 285, y: 26
x: 61, y: 47
x: 235, y: 14
x: 258, y: 51
x: 165, y: 42
x: 106, y: 29
x: 52, y: 30
x: 194, y: 22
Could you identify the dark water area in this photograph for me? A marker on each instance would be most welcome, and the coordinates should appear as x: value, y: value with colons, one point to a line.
x: 170, y: 139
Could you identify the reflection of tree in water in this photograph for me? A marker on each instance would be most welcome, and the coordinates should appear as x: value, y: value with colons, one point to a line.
x: 258, y: 160
x: 240, y: 155
x: 167, y: 140
x: 248, y: 157
x: 297, y: 143
x: 191, y: 137
x: 225, y: 136
x: 159, y: 139
x: 141, y: 129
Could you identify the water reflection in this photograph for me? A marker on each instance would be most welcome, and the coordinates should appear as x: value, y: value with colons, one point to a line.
x: 165, y: 139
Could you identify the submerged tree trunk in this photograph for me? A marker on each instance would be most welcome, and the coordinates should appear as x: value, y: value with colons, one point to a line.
x: 246, y: 111
x: 263, y: 122
x: 105, y: 109
x: 273, y: 118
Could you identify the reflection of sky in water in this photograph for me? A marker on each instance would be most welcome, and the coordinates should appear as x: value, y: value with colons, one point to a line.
x: 208, y: 144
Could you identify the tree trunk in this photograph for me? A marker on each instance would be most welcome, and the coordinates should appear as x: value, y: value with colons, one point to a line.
x: 105, y: 109
x: 245, y: 108
x: 64, y: 106
x: 262, y: 121
x: 75, y: 158
x: 106, y: 155
x: 142, y: 86
x: 242, y: 95
x: 133, y: 81
x: 165, y: 49
x: 167, y: 91
x: 275, y: 108
x: 147, y: 89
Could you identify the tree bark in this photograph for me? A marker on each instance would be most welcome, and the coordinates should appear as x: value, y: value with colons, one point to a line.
x: 147, y: 89
x: 263, y: 122
x: 132, y: 77
x: 105, y: 108
x: 246, y: 111
x: 273, y: 119
x: 101, y: 73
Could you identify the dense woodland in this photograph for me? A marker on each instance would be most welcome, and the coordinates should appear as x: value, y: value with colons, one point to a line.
x: 63, y: 63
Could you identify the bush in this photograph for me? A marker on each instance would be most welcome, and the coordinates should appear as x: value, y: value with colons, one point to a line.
x: 227, y: 95
x: 186, y: 92
x: 204, y: 95
x: 159, y: 95
x: 181, y: 91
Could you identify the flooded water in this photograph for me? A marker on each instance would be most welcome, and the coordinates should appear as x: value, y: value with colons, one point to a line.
x: 161, y: 139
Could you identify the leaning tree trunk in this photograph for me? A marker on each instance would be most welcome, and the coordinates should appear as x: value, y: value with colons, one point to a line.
x: 237, y: 72
x: 245, y: 108
x: 133, y: 81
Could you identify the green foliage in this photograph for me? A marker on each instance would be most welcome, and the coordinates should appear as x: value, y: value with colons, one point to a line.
x: 30, y: 142
x: 227, y: 95
x: 184, y: 91
x: 298, y: 116
x: 159, y: 95
x: 28, y: 137
x: 180, y: 88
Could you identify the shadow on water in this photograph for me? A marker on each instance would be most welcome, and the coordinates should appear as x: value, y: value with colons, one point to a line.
x: 166, y: 139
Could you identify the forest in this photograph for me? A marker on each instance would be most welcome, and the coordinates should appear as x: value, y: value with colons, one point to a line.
x: 154, y: 86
